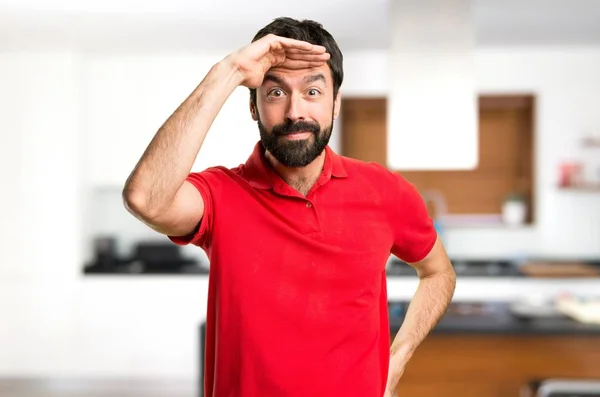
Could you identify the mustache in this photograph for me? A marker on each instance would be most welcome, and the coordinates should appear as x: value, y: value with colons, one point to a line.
x: 291, y: 127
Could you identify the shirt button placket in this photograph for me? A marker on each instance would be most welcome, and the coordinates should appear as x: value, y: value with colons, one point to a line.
x: 312, y: 219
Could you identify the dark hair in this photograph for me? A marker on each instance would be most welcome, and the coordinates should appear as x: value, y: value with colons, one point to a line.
x: 311, y: 32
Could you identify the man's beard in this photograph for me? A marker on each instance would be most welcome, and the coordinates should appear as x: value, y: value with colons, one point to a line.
x: 295, y: 152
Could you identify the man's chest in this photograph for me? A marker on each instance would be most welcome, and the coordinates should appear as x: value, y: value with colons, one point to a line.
x: 346, y: 222
x: 315, y: 241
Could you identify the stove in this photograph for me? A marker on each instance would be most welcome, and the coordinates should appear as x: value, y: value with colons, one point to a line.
x: 463, y: 268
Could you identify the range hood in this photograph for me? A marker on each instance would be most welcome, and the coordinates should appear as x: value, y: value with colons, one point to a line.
x: 432, y: 113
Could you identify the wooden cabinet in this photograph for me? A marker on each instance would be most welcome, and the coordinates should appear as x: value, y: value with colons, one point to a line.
x: 506, y: 155
x: 497, y: 365
x: 503, y: 364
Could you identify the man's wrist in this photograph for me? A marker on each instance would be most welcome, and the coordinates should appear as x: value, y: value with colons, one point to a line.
x: 230, y: 70
x: 402, y: 351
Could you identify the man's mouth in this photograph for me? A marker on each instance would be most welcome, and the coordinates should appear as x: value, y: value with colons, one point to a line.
x: 298, y: 135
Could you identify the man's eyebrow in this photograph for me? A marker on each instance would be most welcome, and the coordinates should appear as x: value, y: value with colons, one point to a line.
x: 307, y: 80
x: 273, y: 78
x: 315, y: 77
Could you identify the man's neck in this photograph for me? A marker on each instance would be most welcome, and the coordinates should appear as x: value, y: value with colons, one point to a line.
x: 302, y: 178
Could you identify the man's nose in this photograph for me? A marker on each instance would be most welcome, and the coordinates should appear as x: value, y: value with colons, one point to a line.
x: 295, y: 108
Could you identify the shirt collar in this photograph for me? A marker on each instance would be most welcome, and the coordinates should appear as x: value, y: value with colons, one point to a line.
x: 259, y: 173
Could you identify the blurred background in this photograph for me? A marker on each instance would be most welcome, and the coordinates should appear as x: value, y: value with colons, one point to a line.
x: 489, y: 107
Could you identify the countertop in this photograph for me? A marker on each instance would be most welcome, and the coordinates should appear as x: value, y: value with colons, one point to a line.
x: 502, y: 268
x: 482, y: 268
x: 495, y: 318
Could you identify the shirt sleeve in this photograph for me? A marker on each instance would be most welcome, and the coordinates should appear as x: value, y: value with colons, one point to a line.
x: 412, y: 226
x: 201, y: 236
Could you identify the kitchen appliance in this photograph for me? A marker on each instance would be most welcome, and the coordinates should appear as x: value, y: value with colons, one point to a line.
x: 146, y: 257
x: 159, y: 257
x: 105, y: 252
x: 569, y: 388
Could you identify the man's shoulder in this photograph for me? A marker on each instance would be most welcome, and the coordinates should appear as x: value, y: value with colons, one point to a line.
x: 355, y: 167
x: 220, y: 170
x: 218, y: 173
x: 375, y: 173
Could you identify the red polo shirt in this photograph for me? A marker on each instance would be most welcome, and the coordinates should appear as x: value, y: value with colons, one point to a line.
x: 297, y: 302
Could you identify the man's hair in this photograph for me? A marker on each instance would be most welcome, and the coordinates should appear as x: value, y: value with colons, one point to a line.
x: 311, y: 32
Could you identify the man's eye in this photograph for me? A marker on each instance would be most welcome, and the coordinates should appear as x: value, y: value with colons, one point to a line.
x: 313, y: 92
x: 276, y: 92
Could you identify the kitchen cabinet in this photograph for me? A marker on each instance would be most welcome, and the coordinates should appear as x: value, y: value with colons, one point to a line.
x: 506, y: 157
x: 482, y: 350
x: 126, y: 99
x: 506, y: 142
x: 125, y: 104
x: 498, y: 355
x: 496, y: 365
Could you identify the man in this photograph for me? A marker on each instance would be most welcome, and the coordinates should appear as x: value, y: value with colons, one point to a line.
x: 298, y: 237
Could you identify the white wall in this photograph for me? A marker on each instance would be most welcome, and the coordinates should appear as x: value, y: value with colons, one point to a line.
x: 73, y: 121
x: 567, y: 88
x: 54, y: 322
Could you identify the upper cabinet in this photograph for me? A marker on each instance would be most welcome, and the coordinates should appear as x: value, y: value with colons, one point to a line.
x: 121, y: 113
x: 127, y: 98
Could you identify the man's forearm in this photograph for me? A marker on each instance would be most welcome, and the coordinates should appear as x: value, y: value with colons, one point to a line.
x: 170, y: 155
x: 431, y: 299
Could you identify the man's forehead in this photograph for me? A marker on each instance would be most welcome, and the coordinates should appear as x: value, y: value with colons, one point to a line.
x: 307, y: 76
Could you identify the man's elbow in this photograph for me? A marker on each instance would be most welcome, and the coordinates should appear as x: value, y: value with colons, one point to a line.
x: 435, y: 264
x: 443, y: 268
x: 449, y: 273
x: 136, y: 203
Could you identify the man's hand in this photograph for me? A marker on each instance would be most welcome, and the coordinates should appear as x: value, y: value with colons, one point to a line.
x: 254, y: 60
x: 398, y: 362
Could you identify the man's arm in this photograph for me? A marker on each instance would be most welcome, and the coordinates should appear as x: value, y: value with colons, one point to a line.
x: 437, y: 282
x: 157, y: 192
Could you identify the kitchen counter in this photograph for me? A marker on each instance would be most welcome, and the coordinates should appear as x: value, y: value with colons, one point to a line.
x: 157, y: 263
x: 495, y: 318
x: 463, y: 268
x: 482, y: 349
x: 505, y: 268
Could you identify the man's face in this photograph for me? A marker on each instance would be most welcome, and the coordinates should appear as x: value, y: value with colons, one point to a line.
x: 295, y: 110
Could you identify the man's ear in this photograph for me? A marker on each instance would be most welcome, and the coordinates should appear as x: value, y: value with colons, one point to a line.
x: 337, y: 104
x: 253, y: 110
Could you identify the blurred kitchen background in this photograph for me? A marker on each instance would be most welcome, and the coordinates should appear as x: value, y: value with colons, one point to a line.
x: 490, y: 107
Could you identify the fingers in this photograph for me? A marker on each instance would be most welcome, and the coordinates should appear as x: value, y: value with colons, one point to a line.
x: 313, y: 48
x: 308, y: 57
x: 297, y: 46
x: 297, y: 54
x: 317, y: 50
x: 296, y: 64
